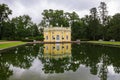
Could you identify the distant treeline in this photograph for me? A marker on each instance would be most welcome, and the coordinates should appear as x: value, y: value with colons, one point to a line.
x: 97, y: 25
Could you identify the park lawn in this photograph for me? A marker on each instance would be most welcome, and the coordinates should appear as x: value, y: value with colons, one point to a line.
x: 11, y: 44
x: 105, y: 42
x: 2, y: 40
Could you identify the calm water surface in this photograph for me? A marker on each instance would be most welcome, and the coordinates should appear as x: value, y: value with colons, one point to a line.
x: 60, y: 62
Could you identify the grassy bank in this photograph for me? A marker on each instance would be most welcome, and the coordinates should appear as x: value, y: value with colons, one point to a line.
x: 105, y: 42
x: 10, y: 44
x: 2, y: 40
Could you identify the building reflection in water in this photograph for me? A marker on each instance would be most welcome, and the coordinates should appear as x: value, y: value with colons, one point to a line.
x: 57, y: 50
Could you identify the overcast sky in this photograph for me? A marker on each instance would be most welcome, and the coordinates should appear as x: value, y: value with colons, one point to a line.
x: 34, y: 8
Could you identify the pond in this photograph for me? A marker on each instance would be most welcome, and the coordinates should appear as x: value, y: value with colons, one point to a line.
x: 60, y: 62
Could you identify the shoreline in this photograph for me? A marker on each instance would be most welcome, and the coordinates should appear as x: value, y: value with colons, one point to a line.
x: 102, y: 43
x: 4, y: 49
x: 105, y: 43
x: 25, y: 43
x: 53, y: 42
x: 11, y: 46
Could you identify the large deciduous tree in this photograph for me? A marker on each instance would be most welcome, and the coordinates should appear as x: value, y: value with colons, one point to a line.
x: 8, y: 30
x: 94, y: 23
x: 113, y: 31
x: 66, y: 19
x: 103, y: 17
x: 75, y: 23
x: 103, y: 13
x: 53, y: 17
x: 24, y: 27
x: 4, y: 13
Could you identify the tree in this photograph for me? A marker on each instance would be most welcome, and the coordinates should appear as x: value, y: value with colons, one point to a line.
x: 54, y: 18
x: 8, y: 30
x: 94, y: 13
x: 4, y: 13
x: 103, y: 13
x: 103, y: 17
x: 34, y: 30
x: 94, y: 23
x: 66, y: 19
x: 75, y: 23
x: 24, y: 27
x: 113, y: 31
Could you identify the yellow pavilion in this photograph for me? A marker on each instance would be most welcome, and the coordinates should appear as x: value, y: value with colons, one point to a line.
x: 57, y: 34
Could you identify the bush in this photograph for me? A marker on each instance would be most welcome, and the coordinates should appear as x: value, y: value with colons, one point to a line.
x: 84, y: 39
x: 31, y: 39
x: 41, y: 38
x: 27, y: 40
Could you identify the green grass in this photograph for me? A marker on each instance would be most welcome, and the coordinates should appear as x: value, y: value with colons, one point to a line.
x: 11, y: 44
x: 105, y: 42
x: 2, y: 40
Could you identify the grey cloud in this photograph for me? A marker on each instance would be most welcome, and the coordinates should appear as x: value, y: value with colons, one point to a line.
x: 34, y: 8
x: 76, y: 4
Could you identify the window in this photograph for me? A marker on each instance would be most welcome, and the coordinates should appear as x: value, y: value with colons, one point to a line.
x: 53, y: 47
x: 46, y: 37
x: 53, y: 37
x: 57, y: 47
x: 46, y: 47
x: 62, y: 37
x: 67, y: 47
x: 57, y: 37
x: 67, y: 37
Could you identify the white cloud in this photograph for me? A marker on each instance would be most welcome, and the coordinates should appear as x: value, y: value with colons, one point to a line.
x: 114, y: 7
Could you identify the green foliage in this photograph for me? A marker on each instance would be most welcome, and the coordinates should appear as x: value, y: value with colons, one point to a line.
x: 40, y: 38
x: 66, y: 19
x: 23, y: 25
x: 54, y: 17
x: 4, y: 13
x: 75, y: 30
x: 19, y: 28
x: 113, y: 30
x: 103, y: 13
x: 75, y: 23
x: 8, y: 31
x: 89, y: 27
x: 31, y: 39
x: 27, y: 40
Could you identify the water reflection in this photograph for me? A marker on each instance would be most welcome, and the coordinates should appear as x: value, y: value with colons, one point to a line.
x: 56, y: 58
x: 60, y: 61
x: 57, y: 50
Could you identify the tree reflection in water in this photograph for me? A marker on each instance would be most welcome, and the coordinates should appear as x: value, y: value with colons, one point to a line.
x: 21, y: 57
x: 61, y: 58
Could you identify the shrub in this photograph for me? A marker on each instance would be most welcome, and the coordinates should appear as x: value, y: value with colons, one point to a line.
x: 27, y: 40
